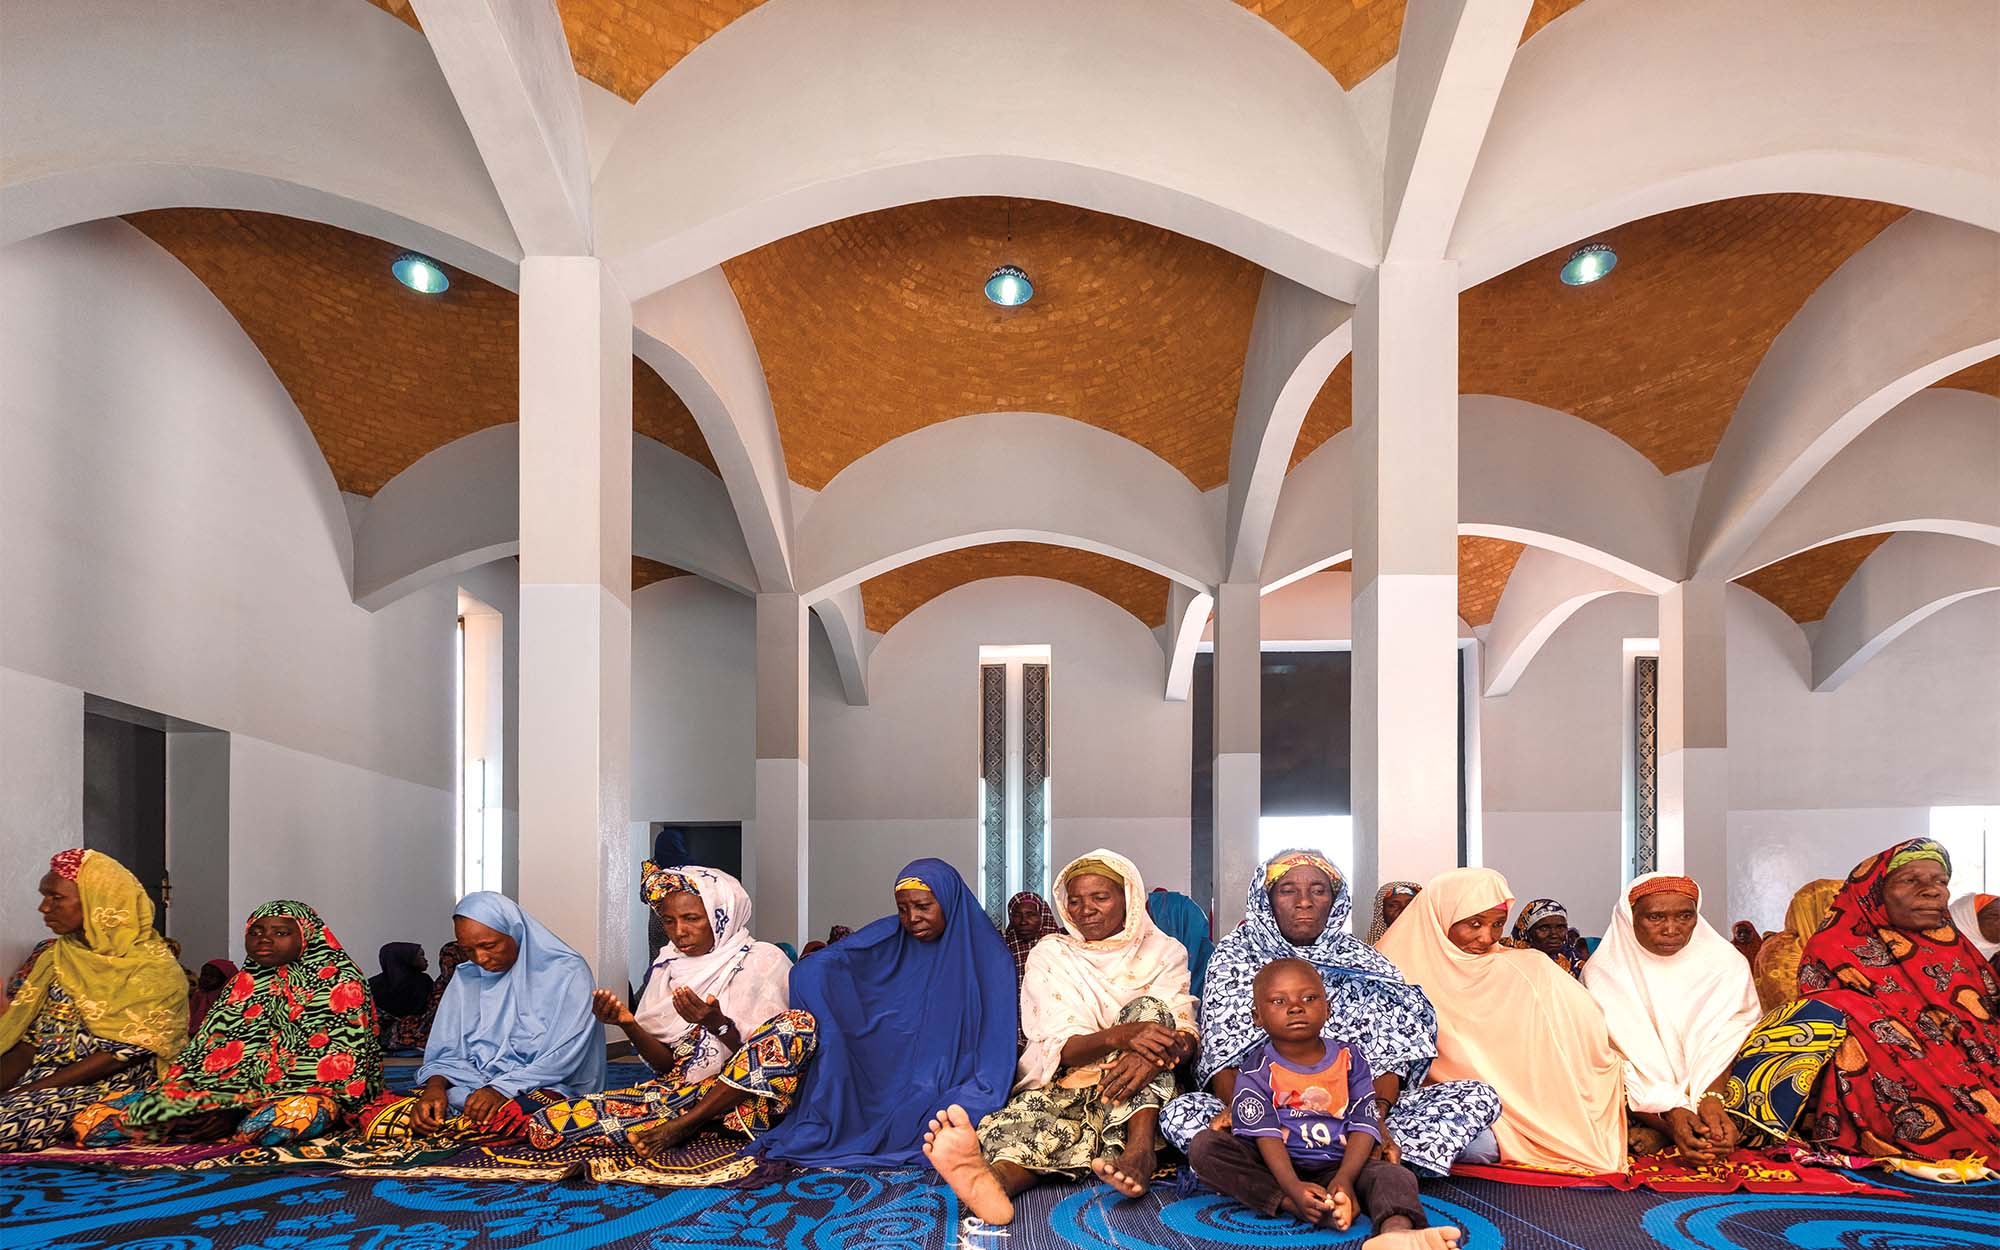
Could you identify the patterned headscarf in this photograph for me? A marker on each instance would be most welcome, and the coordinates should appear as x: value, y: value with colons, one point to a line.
x: 1368, y: 1002
x: 1572, y: 954
x: 1922, y: 1058
x: 1662, y: 884
x: 656, y: 882
x: 1288, y: 860
x: 116, y: 969
x: 1379, y: 923
x: 306, y: 1027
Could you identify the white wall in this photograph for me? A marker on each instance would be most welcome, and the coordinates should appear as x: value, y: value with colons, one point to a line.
x: 170, y: 537
x: 898, y: 779
x: 1817, y: 781
x: 41, y: 794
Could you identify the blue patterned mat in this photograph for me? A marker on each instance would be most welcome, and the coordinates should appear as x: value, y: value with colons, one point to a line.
x: 61, y: 1208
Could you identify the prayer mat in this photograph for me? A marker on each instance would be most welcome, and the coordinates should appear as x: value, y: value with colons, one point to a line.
x: 181, y: 1154
x: 1747, y: 1171
x: 65, y: 1208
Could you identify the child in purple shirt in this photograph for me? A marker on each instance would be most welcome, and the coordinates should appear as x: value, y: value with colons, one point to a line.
x: 1302, y: 1133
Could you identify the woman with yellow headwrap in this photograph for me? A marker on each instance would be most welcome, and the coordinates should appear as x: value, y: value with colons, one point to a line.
x: 1108, y: 1015
x: 99, y: 1003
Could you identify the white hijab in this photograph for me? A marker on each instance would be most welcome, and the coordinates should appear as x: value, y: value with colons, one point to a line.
x: 748, y: 979
x: 1677, y: 1019
x: 1072, y: 987
x: 1965, y: 915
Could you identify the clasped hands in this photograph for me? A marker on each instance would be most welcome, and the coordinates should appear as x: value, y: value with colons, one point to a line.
x: 1705, y: 1134
x: 1146, y: 1049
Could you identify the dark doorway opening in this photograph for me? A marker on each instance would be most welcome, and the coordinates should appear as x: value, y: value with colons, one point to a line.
x: 125, y: 800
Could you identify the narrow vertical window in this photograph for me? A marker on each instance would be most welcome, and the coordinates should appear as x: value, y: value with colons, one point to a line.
x: 1014, y: 767
x: 1645, y: 763
x: 480, y: 747
x: 993, y: 788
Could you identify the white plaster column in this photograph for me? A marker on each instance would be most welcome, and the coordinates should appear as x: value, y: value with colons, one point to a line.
x: 1405, y: 723
x: 1238, y: 799
x: 576, y: 607
x: 1694, y: 740
x: 777, y: 862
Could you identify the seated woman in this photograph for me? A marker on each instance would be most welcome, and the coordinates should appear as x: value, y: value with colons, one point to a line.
x: 916, y: 1011
x: 402, y: 993
x: 1679, y: 1002
x: 513, y: 1032
x: 1108, y: 1016
x: 1029, y: 920
x: 283, y: 1056
x: 101, y: 1010
x: 211, y: 982
x: 1918, y: 1073
x: 1776, y: 968
x: 1297, y: 909
x: 1977, y: 917
x: 1543, y: 925
x: 1514, y: 1020
x: 1390, y: 900
x: 713, y: 1023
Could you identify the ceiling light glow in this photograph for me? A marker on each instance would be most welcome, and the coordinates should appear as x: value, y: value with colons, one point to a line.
x: 419, y: 273
x: 1588, y: 263
x: 1009, y: 287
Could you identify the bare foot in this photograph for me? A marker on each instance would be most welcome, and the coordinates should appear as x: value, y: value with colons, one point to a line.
x: 1414, y: 1239
x: 953, y: 1149
x: 661, y: 1138
x: 1108, y: 1171
x: 1343, y: 1209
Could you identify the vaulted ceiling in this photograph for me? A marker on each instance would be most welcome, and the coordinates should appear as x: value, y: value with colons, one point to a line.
x: 1659, y: 351
x: 894, y: 595
x: 1804, y: 586
x: 625, y: 46
x: 381, y: 374
x: 877, y: 325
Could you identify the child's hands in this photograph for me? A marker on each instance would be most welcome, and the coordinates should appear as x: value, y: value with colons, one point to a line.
x: 1223, y: 1121
x: 1311, y: 1203
x: 1391, y: 1152
x: 610, y: 1008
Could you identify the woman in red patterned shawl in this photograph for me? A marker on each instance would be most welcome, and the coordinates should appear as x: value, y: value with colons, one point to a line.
x: 286, y: 1054
x: 1919, y: 1074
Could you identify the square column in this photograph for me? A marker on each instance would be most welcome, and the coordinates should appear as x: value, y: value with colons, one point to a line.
x: 777, y: 862
x: 1238, y: 796
x: 1405, y: 586
x: 576, y: 607
x: 1694, y: 740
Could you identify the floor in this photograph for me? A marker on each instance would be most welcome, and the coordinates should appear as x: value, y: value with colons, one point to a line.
x: 67, y: 1208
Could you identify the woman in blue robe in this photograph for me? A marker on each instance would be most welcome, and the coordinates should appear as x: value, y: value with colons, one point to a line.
x: 916, y: 1011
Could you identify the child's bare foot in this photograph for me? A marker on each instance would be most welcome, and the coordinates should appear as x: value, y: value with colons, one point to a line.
x: 953, y: 1149
x: 1414, y: 1239
x: 1342, y: 1215
x: 1109, y: 1172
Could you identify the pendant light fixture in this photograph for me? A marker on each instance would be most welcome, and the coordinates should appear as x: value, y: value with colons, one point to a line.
x: 1010, y: 286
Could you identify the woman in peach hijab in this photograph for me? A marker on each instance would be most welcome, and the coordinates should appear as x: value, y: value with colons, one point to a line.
x: 1776, y: 967
x: 1513, y: 1019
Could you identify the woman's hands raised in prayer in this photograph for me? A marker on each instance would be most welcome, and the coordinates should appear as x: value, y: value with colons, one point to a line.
x: 610, y: 1008
x: 695, y: 1009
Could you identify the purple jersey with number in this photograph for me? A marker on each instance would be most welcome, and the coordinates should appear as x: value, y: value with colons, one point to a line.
x: 1310, y: 1109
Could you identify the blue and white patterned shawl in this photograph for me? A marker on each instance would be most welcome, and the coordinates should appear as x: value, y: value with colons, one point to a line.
x: 1370, y: 1005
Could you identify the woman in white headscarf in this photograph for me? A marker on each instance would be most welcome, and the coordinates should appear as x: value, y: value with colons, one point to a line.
x: 1108, y: 1017
x: 713, y: 1023
x: 1679, y: 1002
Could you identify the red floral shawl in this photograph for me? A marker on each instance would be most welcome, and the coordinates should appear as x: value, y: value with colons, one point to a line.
x: 306, y: 1027
x: 1919, y: 1073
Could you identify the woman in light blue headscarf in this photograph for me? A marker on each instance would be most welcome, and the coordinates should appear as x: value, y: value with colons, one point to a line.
x: 513, y: 1033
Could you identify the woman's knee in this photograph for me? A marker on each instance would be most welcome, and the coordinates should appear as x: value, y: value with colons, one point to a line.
x: 1149, y: 1009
